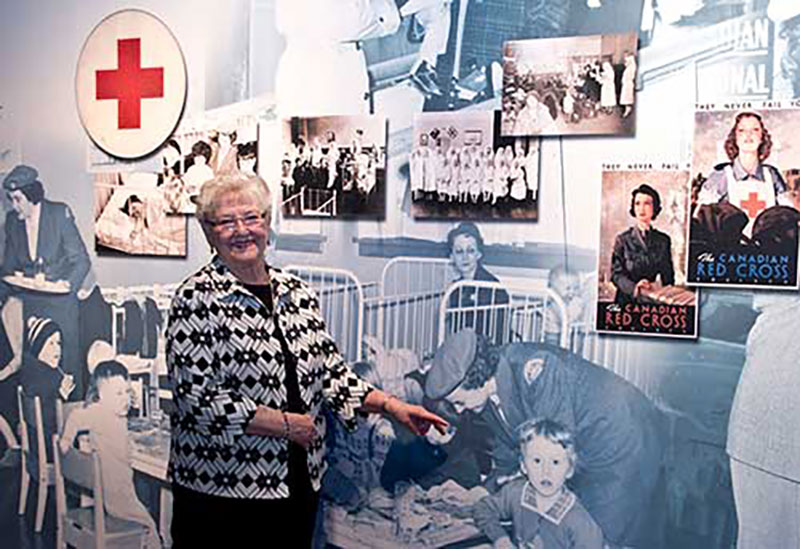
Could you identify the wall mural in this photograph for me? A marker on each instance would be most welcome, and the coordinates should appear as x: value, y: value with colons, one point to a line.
x: 471, y: 280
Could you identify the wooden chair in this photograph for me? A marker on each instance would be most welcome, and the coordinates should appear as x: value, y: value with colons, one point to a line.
x: 88, y: 527
x: 34, y: 452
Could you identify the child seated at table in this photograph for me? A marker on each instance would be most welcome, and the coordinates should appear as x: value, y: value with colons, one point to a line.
x: 105, y: 416
x: 42, y: 376
x: 543, y: 512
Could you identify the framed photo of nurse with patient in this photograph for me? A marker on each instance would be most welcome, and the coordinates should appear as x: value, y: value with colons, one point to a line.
x: 641, y: 280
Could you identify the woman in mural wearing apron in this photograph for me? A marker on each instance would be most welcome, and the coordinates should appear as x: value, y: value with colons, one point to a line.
x: 455, y: 174
x: 253, y: 367
x: 478, y: 173
x: 500, y: 189
x: 467, y: 175
x: 747, y: 146
x: 487, y: 184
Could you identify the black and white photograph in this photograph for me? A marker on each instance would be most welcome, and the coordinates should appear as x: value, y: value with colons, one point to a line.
x: 334, y: 167
x: 641, y: 265
x: 130, y: 217
x: 567, y: 86
x: 427, y: 55
x: 461, y: 167
x: 201, y: 150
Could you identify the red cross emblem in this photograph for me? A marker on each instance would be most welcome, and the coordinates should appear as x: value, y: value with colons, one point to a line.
x: 130, y: 84
x: 752, y: 205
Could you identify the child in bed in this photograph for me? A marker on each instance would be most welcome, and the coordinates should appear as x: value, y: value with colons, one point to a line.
x: 544, y: 513
x: 105, y: 417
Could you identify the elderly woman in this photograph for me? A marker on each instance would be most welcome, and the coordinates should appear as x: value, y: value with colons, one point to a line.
x: 253, y: 367
x: 616, y: 427
x: 641, y: 253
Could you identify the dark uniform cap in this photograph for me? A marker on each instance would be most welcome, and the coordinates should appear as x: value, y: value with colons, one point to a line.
x: 450, y: 363
x: 21, y: 176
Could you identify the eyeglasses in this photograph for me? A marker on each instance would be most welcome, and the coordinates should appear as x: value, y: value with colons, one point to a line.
x: 228, y: 224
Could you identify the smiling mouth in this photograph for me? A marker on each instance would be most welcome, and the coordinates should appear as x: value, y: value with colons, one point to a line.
x: 241, y: 244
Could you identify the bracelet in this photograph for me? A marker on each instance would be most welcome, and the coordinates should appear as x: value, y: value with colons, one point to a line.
x: 385, y: 405
x: 285, y: 425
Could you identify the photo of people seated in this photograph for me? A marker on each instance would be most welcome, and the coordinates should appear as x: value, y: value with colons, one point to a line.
x: 460, y: 167
x: 334, y: 166
x: 564, y: 86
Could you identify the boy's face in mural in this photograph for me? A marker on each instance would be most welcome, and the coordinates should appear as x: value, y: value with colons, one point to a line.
x: 115, y: 394
x: 465, y: 255
x: 20, y: 203
x: 51, y: 350
x: 546, y: 464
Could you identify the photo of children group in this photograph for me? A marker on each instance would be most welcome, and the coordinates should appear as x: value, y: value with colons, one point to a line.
x: 334, y: 166
x: 461, y: 167
x: 575, y: 85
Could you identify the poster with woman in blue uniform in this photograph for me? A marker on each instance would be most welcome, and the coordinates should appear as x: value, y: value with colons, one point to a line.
x: 743, y: 227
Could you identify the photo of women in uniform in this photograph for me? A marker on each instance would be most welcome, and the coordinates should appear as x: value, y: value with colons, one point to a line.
x: 460, y: 166
x: 641, y: 276
x: 743, y: 229
x: 570, y: 85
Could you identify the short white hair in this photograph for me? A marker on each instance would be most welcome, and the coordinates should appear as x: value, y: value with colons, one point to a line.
x: 212, y: 191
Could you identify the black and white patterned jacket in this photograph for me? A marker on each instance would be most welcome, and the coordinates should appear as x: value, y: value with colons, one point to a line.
x: 225, y: 360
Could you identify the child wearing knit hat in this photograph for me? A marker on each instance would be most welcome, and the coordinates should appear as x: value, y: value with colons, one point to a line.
x: 41, y: 374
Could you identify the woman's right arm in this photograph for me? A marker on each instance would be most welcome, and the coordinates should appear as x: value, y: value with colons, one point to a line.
x: 298, y: 428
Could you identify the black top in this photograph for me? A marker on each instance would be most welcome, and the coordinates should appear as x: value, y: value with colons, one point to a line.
x: 297, y: 479
x: 637, y: 256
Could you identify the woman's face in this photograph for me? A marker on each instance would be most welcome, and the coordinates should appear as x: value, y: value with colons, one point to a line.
x: 465, y: 255
x: 20, y: 203
x: 643, y: 208
x: 50, y: 353
x: 749, y: 134
x: 115, y: 394
x: 238, y: 230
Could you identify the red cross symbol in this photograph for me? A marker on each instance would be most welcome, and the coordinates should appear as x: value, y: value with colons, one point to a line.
x: 129, y: 83
x: 753, y: 205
